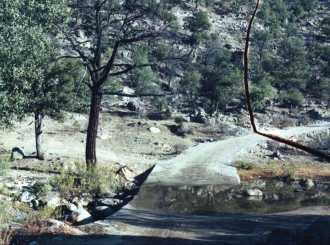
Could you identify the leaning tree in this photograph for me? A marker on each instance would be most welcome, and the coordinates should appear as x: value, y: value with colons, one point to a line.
x: 103, y: 34
x: 308, y: 149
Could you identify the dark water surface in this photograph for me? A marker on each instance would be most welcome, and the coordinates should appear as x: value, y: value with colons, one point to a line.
x: 206, y: 200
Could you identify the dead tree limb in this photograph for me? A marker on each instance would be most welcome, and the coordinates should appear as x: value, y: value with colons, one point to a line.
x: 291, y: 143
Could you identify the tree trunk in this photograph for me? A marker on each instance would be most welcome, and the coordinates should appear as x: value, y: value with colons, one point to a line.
x: 92, y: 129
x: 38, y: 119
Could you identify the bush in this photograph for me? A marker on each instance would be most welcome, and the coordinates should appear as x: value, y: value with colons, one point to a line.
x: 5, y: 216
x: 77, y: 181
x: 292, y: 98
x: 244, y: 165
x: 198, y: 22
x: 4, y: 165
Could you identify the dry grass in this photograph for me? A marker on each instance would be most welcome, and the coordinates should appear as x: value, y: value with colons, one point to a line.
x: 35, y: 228
x: 7, y: 235
x: 273, y: 169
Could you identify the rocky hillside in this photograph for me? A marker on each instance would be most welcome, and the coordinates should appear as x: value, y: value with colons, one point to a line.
x: 289, y: 59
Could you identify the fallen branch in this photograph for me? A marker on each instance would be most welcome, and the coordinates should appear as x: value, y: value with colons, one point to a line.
x: 296, y: 145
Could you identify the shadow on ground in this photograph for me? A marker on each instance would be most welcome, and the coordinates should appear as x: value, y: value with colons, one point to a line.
x: 143, y: 227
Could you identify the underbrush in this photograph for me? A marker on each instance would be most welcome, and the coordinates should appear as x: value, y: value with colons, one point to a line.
x: 76, y: 181
x: 5, y: 165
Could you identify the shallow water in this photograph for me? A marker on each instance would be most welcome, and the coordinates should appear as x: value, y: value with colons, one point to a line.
x: 207, y: 200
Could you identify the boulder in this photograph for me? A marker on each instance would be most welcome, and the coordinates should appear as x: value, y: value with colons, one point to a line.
x: 253, y: 192
x: 17, y: 153
x: 110, y: 202
x: 79, y: 214
x: 154, y: 130
x: 308, y: 184
x: 128, y: 90
x: 27, y: 197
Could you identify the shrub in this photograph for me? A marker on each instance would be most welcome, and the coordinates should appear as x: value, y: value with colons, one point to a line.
x: 4, y: 165
x: 6, y: 216
x: 244, y: 165
x: 292, y: 98
x: 76, y: 181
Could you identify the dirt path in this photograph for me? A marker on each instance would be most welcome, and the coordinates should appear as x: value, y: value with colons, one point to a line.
x: 209, y: 163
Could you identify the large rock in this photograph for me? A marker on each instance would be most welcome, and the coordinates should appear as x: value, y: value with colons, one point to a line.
x: 27, y: 197
x: 253, y: 192
x: 79, y: 214
x: 17, y: 153
x: 154, y: 130
x: 195, y: 175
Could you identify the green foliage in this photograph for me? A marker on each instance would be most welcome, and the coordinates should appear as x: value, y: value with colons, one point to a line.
x: 274, y: 14
x: 76, y: 181
x: 292, y: 70
x: 198, y: 25
x: 220, y: 82
x: 198, y: 22
x: 262, y: 93
x: 27, y: 49
x: 244, y: 165
x: 144, y: 78
x: 190, y: 84
x: 292, y: 97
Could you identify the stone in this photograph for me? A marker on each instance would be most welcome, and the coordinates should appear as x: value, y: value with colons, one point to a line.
x: 128, y: 90
x: 17, y: 153
x: 131, y: 186
x: 79, y: 214
x: 52, y: 199
x: 112, y: 202
x: 27, y: 197
x: 277, y: 155
x: 253, y: 192
x: 308, y: 184
x: 125, y: 172
x: 279, y: 184
x: 259, y: 184
x: 154, y: 130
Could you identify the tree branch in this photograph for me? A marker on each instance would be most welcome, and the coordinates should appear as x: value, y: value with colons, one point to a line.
x: 129, y: 68
x: 291, y: 143
x: 137, y: 95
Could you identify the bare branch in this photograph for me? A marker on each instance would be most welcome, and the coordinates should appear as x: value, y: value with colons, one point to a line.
x: 128, y: 69
x: 137, y: 95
